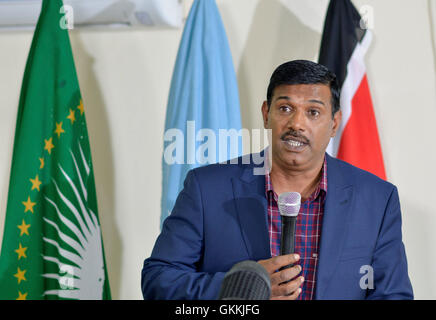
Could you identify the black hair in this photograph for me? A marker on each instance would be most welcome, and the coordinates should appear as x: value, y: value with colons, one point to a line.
x: 304, y: 72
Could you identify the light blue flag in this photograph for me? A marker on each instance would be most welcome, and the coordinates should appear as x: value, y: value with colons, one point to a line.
x: 203, y: 104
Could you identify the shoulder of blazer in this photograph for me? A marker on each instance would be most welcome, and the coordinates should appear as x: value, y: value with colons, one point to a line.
x: 347, y: 174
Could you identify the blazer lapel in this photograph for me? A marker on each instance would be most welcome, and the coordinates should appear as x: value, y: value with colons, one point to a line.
x: 334, y: 225
x: 251, y: 207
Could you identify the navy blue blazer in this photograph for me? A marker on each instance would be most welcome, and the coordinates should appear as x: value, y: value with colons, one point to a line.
x: 220, y: 218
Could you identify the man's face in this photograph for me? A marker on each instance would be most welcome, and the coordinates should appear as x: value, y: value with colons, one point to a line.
x: 300, y: 117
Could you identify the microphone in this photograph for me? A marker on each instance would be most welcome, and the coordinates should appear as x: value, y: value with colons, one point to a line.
x: 289, y: 206
x: 246, y: 280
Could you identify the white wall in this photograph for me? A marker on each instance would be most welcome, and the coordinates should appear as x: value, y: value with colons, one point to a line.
x: 125, y: 77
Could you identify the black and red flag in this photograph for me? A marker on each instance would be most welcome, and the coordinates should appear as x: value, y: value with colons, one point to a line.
x: 345, y: 41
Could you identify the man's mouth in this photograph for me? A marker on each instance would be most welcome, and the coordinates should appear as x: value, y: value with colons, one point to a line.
x: 294, y: 143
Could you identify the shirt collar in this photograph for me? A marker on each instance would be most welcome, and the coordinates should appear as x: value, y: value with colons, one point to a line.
x: 321, y: 186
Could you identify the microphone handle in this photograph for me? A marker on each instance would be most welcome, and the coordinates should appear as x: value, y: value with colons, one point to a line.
x: 287, y: 240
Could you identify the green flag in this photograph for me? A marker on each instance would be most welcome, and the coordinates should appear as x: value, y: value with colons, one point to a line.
x: 52, y: 244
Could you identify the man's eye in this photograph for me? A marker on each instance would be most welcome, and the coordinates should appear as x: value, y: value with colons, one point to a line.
x: 285, y: 109
x: 314, y: 113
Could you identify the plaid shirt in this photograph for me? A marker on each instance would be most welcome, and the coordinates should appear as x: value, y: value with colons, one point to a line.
x: 307, y: 231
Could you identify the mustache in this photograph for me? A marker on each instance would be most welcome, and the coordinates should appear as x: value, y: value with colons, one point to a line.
x: 294, y: 134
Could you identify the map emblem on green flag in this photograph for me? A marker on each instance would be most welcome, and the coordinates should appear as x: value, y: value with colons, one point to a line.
x: 52, y: 244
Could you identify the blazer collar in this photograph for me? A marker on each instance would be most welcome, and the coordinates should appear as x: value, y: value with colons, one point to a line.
x: 251, y: 206
x: 334, y: 225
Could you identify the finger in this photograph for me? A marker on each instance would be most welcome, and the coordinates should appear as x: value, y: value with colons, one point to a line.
x: 285, y: 275
x: 287, y: 288
x: 275, y: 263
x: 293, y: 296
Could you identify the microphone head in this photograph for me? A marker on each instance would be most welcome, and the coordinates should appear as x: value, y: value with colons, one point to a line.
x: 246, y: 280
x: 289, y: 204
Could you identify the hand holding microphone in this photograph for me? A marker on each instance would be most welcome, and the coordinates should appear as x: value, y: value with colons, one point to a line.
x: 276, y: 277
x: 283, y: 284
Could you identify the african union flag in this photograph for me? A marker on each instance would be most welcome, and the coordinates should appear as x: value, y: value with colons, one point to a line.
x: 52, y: 245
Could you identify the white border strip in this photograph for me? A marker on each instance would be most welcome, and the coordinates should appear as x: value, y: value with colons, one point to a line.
x: 355, y: 72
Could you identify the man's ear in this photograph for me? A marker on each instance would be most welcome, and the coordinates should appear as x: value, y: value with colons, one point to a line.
x: 337, y: 118
x: 265, y: 114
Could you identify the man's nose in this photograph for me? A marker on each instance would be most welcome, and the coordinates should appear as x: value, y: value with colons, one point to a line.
x: 297, y: 121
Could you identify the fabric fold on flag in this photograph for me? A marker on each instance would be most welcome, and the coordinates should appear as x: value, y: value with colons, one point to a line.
x: 343, y: 48
x: 203, y: 103
x: 52, y: 244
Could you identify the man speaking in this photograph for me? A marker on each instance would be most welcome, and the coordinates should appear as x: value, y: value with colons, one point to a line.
x: 348, y: 241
